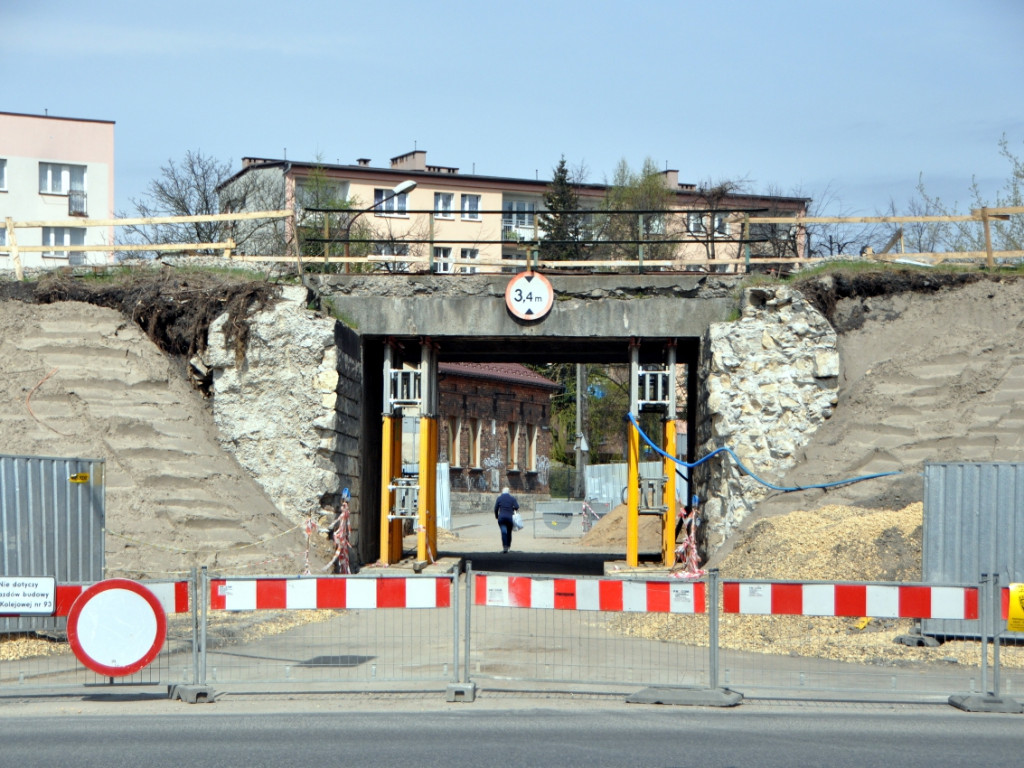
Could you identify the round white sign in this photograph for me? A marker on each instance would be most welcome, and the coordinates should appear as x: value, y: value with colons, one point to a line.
x: 529, y: 296
x: 116, y: 627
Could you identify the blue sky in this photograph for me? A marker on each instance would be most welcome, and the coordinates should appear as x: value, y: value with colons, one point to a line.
x: 841, y: 101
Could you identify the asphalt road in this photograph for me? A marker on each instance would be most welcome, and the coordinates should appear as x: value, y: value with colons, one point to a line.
x: 427, y: 734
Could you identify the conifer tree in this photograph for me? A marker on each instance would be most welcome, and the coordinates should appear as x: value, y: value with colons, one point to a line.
x: 561, y: 222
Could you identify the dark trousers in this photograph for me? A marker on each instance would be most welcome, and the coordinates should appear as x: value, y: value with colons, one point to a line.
x: 505, y: 523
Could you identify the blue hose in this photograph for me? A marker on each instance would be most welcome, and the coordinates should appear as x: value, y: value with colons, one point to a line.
x: 740, y: 464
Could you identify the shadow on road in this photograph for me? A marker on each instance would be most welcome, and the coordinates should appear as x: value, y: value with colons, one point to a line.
x: 555, y: 563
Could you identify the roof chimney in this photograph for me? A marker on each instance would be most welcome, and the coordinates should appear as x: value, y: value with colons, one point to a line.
x: 363, y: 161
x: 411, y: 161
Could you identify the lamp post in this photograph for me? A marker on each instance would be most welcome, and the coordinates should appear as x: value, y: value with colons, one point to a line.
x: 400, y: 189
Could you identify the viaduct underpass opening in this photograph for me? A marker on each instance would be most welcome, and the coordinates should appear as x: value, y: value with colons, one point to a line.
x: 384, y: 355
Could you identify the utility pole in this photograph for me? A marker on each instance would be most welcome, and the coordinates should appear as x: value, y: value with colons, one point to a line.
x: 582, y: 449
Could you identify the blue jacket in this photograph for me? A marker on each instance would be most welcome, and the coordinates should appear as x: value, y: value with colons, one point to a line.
x: 505, y: 506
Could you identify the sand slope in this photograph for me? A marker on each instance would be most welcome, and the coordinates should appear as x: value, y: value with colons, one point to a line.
x: 81, y: 381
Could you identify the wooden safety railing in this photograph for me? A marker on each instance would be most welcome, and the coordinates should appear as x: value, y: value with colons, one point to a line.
x: 226, y: 247
x: 527, y: 253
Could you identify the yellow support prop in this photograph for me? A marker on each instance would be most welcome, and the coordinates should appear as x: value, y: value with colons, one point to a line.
x: 387, y: 445
x: 426, y: 533
x: 397, y: 526
x: 668, y: 541
x: 633, y: 500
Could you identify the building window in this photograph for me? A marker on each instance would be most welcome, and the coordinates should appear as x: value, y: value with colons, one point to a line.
x: 469, y: 254
x: 442, y: 260
x: 443, y: 205
x: 531, y: 448
x: 455, y: 442
x: 57, y: 179
x: 722, y: 224
x: 60, y: 236
x: 512, y: 446
x: 387, y: 203
x: 3, y: 174
x: 475, y: 433
x: 518, y: 213
x: 392, y: 249
x: 3, y: 239
x: 695, y: 222
x: 471, y: 207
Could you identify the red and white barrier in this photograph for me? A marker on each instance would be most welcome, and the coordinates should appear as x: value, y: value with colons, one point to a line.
x: 590, y: 594
x: 903, y: 601
x: 324, y: 593
x: 173, y: 596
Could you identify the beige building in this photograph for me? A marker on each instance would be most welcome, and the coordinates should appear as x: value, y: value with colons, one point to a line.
x: 447, y: 221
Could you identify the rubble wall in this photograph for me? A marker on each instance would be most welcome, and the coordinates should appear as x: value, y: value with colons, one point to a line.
x: 768, y: 381
x: 289, y: 409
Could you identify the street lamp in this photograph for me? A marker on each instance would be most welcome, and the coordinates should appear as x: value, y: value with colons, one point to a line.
x: 400, y: 189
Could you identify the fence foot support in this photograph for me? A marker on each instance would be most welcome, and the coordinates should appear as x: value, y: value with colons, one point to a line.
x: 686, y: 697
x: 464, y: 692
x: 975, y: 702
x: 191, y: 694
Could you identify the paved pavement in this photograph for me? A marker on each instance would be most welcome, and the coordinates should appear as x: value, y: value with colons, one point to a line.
x: 519, y: 658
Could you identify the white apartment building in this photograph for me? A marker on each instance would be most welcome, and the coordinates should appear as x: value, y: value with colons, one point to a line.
x: 55, y: 172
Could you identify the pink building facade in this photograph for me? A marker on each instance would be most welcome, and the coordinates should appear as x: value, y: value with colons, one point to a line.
x: 56, y: 173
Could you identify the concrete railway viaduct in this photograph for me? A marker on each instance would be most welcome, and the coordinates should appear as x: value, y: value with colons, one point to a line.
x: 652, y: 322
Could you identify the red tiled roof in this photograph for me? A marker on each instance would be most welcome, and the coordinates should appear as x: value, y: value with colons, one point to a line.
x: 512, y: 372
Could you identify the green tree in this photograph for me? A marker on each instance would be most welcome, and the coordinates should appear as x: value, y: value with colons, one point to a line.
x: 633, y: 212
x: 605, y: 406
x: 1007, y: 235
x: 562, y: 224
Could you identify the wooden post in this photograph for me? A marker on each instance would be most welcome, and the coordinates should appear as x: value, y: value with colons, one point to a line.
x: 430, y: 246
x: 640, y: 244
x: 745, y: 233
x: 327, y: 239
x: 12, y: 241
x: 989, y: 260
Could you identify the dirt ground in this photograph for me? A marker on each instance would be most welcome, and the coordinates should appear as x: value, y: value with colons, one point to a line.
x: 932, y: 370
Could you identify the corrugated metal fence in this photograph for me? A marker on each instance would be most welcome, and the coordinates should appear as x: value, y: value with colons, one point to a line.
x: 973, y: 525
x: 52, y: 515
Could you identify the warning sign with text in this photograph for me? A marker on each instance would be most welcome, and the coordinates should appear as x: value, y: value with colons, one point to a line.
x: 27, y: 595
x: 1015, y: 614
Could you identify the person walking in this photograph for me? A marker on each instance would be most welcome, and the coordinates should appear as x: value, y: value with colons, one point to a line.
x: 504, y: 508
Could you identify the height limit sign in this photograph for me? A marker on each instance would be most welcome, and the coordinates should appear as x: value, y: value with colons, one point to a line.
x: 529, y: 296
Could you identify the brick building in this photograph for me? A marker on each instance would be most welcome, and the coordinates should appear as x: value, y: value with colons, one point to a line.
x: 494, y: 430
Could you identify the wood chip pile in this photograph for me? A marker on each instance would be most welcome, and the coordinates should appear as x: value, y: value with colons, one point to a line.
x: 830, y: 543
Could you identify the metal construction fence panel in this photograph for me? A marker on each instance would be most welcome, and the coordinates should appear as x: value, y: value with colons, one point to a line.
x: 606, y: 483
x: 581, y: 630
x: 566, y: 519
x: 386, y: 629
x: 973, y: 524
x: 46, y: 658
x: 758, y: 617
x: 334, y: 629
x: 51, y: 524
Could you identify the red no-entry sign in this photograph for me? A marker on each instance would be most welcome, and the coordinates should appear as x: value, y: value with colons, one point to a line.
x: 116, y: 627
